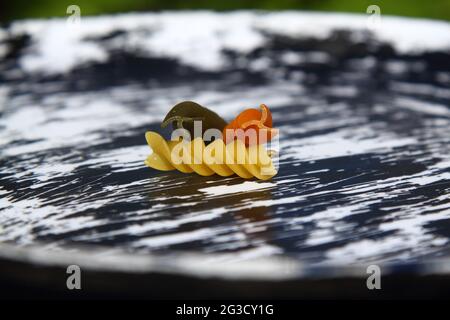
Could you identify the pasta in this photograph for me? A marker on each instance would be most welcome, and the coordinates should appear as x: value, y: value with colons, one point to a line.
x: 216, y: 158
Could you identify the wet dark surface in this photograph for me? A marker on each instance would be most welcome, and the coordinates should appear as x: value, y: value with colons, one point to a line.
x: 363, y: 165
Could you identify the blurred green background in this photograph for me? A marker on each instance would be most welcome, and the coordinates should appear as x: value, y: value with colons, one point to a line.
x: 19, y: 9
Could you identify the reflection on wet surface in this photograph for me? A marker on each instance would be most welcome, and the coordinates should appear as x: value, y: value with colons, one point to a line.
x: 364, y: 149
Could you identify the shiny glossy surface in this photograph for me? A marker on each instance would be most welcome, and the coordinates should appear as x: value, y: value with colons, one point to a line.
x: 364, y: 139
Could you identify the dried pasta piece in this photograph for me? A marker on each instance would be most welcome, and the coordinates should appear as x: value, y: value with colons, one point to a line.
x: 251, y: 119
x: 216, y: 158
x: 183, y: 115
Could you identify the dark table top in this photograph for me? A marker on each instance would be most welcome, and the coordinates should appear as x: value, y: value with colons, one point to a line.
x: 364, y: 153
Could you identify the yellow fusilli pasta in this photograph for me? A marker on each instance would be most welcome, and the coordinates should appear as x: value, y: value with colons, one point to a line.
x: 216, y: 158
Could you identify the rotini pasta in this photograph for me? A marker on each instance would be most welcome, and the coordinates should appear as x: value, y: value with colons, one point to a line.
x: 216, y: 158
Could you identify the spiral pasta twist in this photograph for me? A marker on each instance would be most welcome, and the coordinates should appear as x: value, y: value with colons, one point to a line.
x: 216, y: 158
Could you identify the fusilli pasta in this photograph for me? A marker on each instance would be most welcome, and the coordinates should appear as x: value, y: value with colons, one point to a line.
x: 216, y: 158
